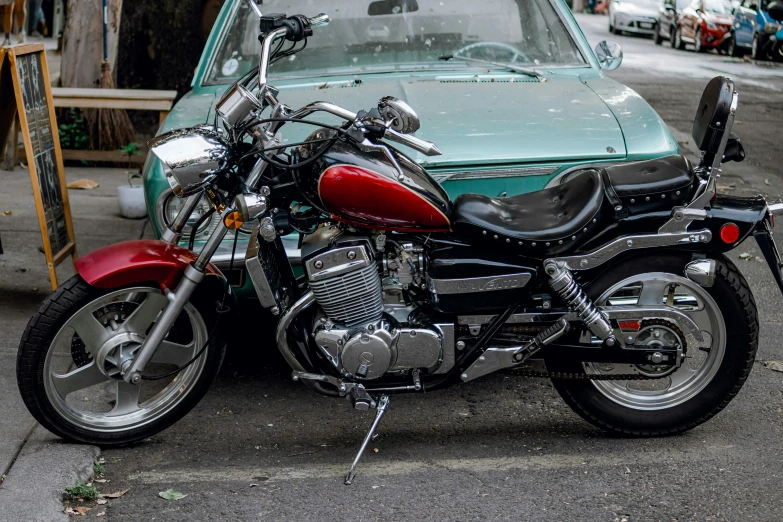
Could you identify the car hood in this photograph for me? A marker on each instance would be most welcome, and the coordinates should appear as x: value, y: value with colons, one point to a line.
x: 488, y: 118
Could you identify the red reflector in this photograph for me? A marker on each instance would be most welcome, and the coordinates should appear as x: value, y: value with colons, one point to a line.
x: 772, y: 220
x: 729, y: 233
x: 630, y: 326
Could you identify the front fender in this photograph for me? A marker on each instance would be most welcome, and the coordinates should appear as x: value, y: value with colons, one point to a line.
x: 132, y: 262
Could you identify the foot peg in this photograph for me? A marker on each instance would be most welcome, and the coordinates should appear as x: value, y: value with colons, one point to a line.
x: 360, y: 399
x: 383, y: 403
x: 548, y: 336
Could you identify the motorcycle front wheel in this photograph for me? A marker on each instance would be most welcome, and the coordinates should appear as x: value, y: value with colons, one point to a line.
x: 82, y: 338
x: 675, y: 399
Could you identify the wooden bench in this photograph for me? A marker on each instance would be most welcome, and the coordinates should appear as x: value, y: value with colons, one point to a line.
x: 128, y: 99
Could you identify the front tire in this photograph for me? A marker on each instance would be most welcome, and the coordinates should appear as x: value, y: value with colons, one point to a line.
x: 619, y: 409
x: 657, y: 38
x: 80, y: 396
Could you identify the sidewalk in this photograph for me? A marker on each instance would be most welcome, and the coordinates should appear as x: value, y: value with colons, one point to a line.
x: 36, y: 465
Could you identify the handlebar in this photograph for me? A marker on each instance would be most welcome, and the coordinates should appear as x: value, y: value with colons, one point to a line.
x: 425, y: 147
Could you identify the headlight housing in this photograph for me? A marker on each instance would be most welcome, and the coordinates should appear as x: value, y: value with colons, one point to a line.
x: 169, y: 206
x: 192, y: 158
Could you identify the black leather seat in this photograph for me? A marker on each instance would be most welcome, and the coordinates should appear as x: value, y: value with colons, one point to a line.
x: 647, y: 186
x: 549, y: 221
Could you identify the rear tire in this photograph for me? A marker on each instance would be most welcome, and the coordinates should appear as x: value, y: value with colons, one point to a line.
x: 735, y: 302
x: 34, y: 375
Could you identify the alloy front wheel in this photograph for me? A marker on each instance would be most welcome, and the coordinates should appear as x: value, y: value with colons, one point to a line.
x: 81, y: 341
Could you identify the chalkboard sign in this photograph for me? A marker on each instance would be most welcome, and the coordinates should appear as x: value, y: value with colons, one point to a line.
x: 29, y: 80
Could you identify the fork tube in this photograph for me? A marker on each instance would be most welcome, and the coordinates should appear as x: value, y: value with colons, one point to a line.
x: 194, y: 274
x: 174, y: 233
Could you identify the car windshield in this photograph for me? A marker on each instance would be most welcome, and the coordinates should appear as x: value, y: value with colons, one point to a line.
x: 717, y: 7
x: 386, y: 35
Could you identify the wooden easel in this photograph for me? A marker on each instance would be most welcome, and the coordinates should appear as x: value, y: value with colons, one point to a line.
x: 24, y: 76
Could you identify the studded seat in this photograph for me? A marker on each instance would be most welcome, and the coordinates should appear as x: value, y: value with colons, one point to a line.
x: 546, y: 222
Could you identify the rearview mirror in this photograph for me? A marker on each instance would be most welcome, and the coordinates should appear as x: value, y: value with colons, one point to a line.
x: 399, y: 114
x: 609, y: 54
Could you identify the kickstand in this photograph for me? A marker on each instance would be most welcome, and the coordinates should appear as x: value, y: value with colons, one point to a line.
x: 383, y: 403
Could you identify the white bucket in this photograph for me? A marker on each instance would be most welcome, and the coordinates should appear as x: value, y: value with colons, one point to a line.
x: 131, y: 200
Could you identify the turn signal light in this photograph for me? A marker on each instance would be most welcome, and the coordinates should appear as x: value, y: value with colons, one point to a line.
x: 234, y: 221
x: 729, y: 233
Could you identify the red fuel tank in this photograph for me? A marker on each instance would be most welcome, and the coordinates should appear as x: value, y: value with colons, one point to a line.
x: 364, y: 189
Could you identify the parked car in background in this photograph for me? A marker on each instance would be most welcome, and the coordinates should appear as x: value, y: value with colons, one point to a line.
x: 666, y: 23
x: 704, y: 23
x: 754, y: 30
x: 633, y: 16
x: 501, y: 132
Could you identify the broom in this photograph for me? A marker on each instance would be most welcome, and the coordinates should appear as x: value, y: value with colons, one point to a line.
x: 110, y: 129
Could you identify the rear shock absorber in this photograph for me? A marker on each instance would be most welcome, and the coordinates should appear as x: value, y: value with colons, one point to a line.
x: 562, y: 281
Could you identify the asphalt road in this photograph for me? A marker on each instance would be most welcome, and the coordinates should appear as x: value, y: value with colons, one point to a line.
x: 502, y: 448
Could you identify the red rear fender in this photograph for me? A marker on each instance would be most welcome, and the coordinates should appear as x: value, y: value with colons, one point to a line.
x: 133, y: 262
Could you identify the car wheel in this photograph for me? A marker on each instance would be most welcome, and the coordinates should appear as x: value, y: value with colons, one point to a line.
x: 657, y: 36
x: 697, y: 46
x: 732, y: 49
x: 612, y: 28
x: 677, y: 42
x: 755, y: 49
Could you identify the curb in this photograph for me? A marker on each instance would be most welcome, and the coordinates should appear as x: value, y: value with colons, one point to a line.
x: 33, y: 489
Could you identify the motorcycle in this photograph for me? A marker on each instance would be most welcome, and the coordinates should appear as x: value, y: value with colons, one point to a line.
x: 616, y: 279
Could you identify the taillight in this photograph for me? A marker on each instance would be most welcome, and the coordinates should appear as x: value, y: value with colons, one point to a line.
x: 729, y: 233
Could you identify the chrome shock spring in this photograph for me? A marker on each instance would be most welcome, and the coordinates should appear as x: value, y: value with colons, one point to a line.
x: 562, y: 281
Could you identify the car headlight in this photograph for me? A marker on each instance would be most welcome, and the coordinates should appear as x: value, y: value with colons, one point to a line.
x: 771, y: 27
x: 170, y: 207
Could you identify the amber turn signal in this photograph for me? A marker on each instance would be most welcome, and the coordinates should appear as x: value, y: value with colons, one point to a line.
x: 234, y: 221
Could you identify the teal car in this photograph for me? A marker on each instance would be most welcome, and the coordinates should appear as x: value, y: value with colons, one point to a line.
x: 509, y: 90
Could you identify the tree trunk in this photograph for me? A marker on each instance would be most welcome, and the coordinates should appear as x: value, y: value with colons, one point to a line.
x: 162, y: 42
x: 83, y: 41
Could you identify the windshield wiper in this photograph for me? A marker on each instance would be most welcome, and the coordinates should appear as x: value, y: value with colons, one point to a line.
x: 515, y: 68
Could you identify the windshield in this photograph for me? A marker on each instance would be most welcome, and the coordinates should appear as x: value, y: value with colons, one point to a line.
x: 384, y: 35
x: 717, y: 7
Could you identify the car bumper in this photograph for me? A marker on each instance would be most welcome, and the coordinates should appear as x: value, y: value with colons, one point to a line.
x: 714, y: 37
x: 635, y: 24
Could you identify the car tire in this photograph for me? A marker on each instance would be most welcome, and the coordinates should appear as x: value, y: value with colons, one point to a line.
x: 755, y: 49
x: 612, y: 28
x: 677, y: 42
x: 657, y: 36
x: 732, y: 49
x: 697, y: 44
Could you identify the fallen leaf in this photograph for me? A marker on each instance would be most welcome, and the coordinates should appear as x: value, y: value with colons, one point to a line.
x: 100, y: 514
x: 253, y: 485
x: 83, y: 184
x: 114, y: 495
x: 101, y: 501
x: 101, y: 480
x: 81, y: 511
x: 170, y: 494
x: 744, y: 255
x: 774, y: 365
x: 8, y: 212
x: 375, y: 450
x: 766, y: 181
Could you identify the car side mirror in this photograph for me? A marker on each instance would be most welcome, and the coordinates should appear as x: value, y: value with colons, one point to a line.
x: 609, y: 54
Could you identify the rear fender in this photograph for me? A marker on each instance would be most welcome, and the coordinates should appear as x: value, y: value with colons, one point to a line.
x: 132, y: 262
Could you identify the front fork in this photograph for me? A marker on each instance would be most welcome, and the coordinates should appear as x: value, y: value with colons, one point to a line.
x: 178, y: 298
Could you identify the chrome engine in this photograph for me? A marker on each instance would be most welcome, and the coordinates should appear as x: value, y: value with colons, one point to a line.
x: 363, y: 329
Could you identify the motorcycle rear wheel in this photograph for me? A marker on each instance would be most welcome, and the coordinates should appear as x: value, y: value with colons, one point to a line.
x: 696, y: 392
x: 81, y: 397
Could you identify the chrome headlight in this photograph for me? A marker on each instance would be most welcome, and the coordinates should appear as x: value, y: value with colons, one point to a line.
x: 192, y: 158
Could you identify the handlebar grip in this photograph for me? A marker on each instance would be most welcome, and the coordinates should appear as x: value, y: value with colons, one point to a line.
x: 425, y: 147
x: 321, y: 20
